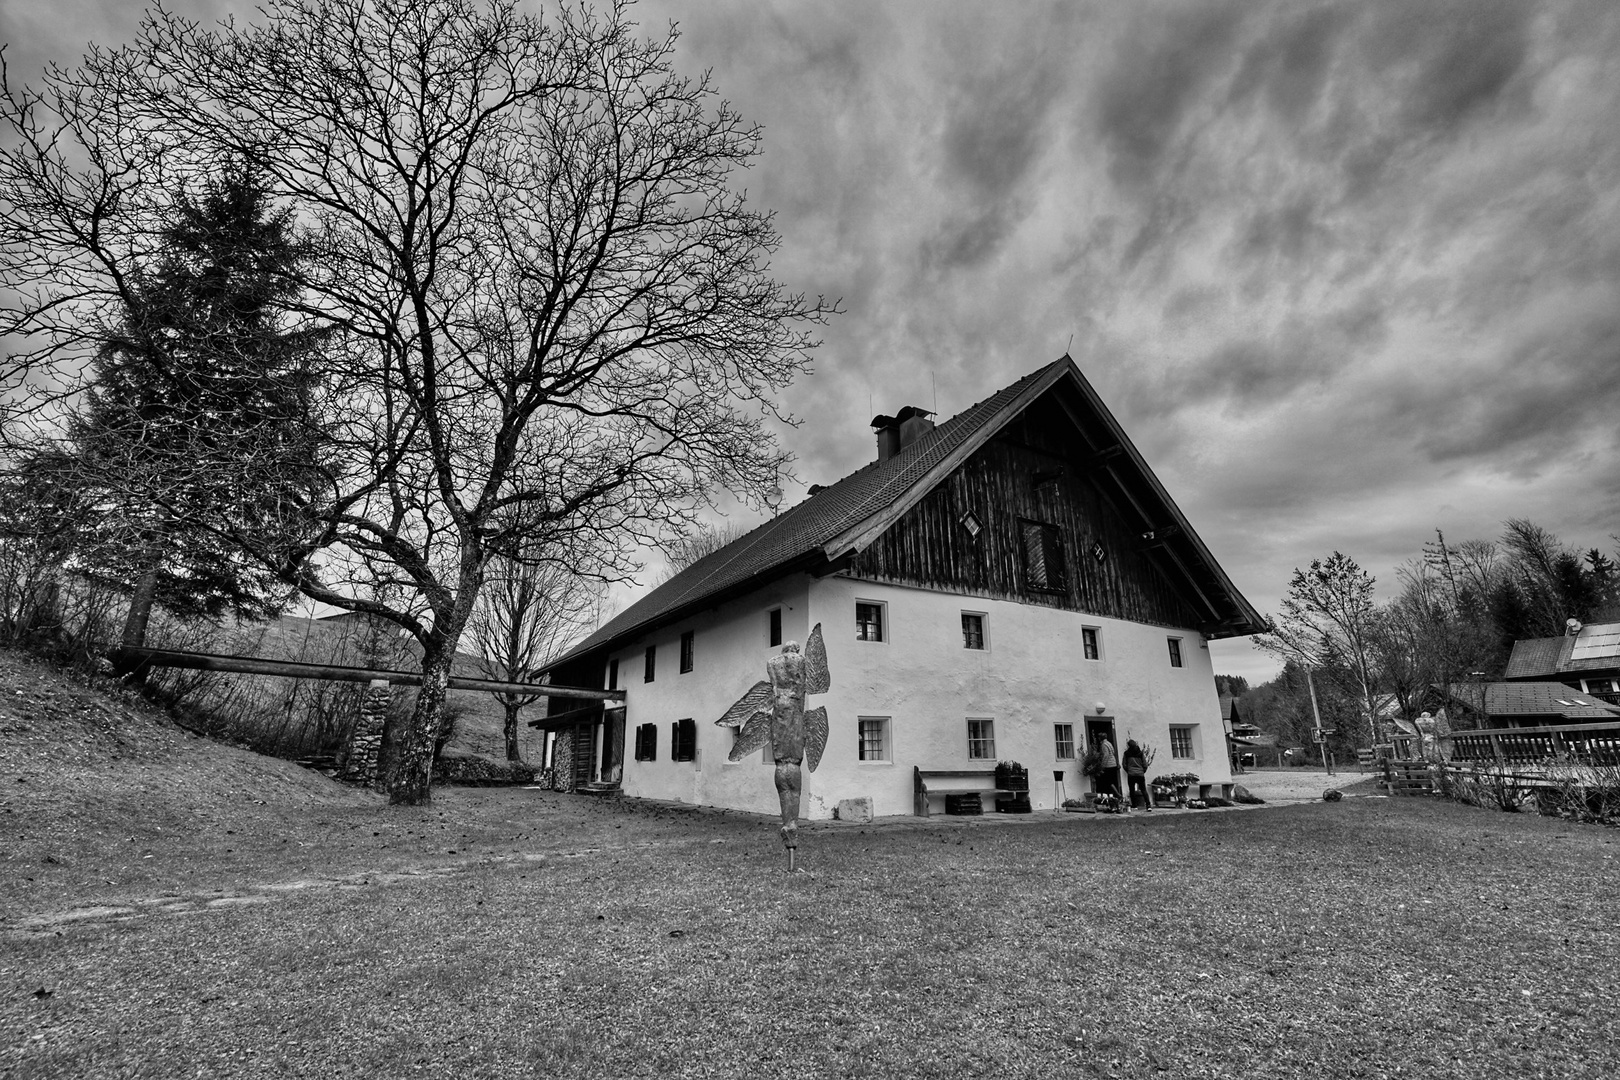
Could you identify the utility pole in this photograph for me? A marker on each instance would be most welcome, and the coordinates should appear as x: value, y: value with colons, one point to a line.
x: 1321, y: 739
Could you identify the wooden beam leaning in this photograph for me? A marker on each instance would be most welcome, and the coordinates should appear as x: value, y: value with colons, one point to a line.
x: 292, y: 669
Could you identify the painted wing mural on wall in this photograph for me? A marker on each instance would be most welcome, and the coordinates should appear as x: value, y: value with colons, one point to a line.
x: 751, y: 715
x: 817, y: 679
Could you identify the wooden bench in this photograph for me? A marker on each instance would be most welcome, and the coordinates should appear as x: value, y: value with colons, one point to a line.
x: 923, y: 788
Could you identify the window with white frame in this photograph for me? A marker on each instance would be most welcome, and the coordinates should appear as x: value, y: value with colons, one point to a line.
x: 972, y: 630
x: 1181, y: 740
x: 874, y: 739
x: 1091, y: 643
x: 981, y: 733
x: 1063, y: 737
x: 1175, y: 651
x: 868, y: 621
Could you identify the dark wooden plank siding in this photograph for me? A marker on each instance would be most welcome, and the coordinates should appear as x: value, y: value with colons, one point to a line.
x: 929, y: 547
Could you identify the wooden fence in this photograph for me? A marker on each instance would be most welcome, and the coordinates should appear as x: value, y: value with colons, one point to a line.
x: 1595, y: 743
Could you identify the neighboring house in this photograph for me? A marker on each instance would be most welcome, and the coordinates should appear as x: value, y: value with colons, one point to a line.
x: 1012, y: 584
x: 1588, y: 660
x: 1243, y: 739
x: 1522, y: 704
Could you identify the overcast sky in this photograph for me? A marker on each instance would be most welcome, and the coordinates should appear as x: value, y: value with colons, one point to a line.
x: 1346, y: 272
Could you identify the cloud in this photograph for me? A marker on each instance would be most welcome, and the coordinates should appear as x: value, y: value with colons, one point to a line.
x: 1346, y: 270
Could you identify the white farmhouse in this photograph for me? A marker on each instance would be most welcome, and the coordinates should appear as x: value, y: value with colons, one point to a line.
x: 1009, y: 585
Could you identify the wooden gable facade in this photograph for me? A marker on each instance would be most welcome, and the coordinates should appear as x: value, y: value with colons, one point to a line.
x: 1037, y: 515
x: 982, y: 532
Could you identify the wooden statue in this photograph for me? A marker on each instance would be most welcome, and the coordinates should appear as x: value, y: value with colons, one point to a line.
x: 774, y: 712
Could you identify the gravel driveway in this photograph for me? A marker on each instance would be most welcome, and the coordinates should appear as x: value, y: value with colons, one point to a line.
x: 1302, y: 785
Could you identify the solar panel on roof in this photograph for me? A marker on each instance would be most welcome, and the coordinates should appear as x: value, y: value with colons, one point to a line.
x: 1597, y: 642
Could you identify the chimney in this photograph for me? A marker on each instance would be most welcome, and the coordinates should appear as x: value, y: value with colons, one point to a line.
x: 914, y: 424
x: 895, y: 433
x: 888, y: 436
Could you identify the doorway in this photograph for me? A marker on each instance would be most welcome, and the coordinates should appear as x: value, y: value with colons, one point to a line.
x: 1097, y: 729
x: 613, y: 746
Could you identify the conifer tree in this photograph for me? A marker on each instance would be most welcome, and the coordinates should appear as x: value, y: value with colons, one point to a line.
x: 197, y: 424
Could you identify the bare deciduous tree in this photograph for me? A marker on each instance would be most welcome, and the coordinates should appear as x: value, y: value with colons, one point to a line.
x: 550, y: 320
x: 1329, y: 620
x: 527, y: 613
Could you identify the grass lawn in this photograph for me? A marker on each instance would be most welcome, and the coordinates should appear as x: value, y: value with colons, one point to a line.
x: 522, y: 933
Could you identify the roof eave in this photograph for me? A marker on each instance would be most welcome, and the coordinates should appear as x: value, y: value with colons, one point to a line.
x: 807, y: 562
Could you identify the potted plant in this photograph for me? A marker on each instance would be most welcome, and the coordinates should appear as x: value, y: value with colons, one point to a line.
x: 1011, y: 776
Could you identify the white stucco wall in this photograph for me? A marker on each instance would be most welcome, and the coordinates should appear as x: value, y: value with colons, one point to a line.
x: 1031, y: 675
x: 730, y: 648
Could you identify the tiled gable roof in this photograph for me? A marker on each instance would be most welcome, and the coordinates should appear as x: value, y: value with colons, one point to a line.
x: 804, y: 529
x: 842, y: 517
x: 1535, y: 657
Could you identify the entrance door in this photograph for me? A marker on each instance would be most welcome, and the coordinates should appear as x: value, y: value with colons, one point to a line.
x: 583, y: 754
x: 1098, y: 728
x: 613, y: 747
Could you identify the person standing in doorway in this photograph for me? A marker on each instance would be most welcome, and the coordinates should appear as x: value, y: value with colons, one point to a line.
x: 1136, y: 766
x: 1110, y: 767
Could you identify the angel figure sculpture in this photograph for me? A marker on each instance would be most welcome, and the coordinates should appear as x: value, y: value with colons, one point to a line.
x: 774, y: 712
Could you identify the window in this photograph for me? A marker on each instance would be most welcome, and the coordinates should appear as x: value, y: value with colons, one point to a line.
x: 1091, y: 642
x: 874, y: 738
x: 971, y: 524
x: 687, y: 640
x: 1043, y: 557
x: 1181, y: 740
x: 652, y: 656
x: 981, y: 739
x: 613, y: 674
x: 647, y: 742
x: 1063, y: 736
x: 776, y: 627
x: 683, y: 740
x: 1175, y: 652
x: 972, y: 630
x: 868, y: 622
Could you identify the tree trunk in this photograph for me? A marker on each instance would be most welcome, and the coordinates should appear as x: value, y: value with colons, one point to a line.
x: 140, y: 609
x: 140, y: 613
x: 412, y: 777
x: 512, y: 751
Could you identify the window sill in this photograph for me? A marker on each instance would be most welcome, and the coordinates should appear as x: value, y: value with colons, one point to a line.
x: 875, y: 764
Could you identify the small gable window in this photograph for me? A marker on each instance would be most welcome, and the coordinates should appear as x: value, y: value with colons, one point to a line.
x: 972, y: 630
x: 1091, y: 643
x: 868, y: 622
x: 776, y: 627
x: 1044, y: 568
x: 1175, y: 652
x: 652, y: 660
x: 688, y: 644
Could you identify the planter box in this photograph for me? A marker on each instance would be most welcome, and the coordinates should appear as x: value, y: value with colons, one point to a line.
x: 1013, y: 804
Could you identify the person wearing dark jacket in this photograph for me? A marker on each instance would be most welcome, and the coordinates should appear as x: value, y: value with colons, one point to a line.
x: 1136, y: 766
